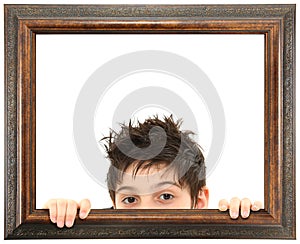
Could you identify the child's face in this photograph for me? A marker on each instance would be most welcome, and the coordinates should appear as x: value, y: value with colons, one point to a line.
x: 151, y: 189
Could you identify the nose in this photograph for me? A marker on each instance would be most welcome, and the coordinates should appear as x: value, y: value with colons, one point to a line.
x: 146, y: 202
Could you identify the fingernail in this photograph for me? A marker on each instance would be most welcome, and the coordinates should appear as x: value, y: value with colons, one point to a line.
x: 245, y: 214
x: 234, y: 215
x: 69, y: 223
x: 60, y: 224
x: 82, y: 215
x: 255, y: 208
x: 223, y: 208
x: 53, y: 220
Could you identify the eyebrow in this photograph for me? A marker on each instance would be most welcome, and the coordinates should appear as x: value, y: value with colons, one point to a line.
x: 128, y: 188
x: 167, y: 183
x: 158, y: 185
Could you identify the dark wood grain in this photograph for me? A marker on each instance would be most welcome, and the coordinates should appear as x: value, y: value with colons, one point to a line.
x: 276, y: 22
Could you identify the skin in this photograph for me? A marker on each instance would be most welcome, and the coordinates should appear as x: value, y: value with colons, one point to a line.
x: 154, y: 188
x: 63, y: 211
x: 238, y: 207
x: 148, y: 190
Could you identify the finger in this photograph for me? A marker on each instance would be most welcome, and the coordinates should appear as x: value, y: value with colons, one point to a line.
x: 234, y: 208
x: 71, y: 213
x: 85, y: 208
x: 46, y: 205
x: 245, y: 207
x: 257, y: 205
x: 223, y: 205
x: 61, y: 212
x: 51, y: 205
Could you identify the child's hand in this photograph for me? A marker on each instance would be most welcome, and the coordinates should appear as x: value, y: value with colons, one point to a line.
x: 237, y: 206
x: 63, y: 211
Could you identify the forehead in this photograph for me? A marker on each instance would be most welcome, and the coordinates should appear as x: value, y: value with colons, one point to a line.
x: 146, y: 168
x: 149, y: 171
x: 147, y: 179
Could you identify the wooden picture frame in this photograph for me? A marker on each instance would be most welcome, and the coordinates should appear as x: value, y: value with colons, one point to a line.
x: 275, y: 22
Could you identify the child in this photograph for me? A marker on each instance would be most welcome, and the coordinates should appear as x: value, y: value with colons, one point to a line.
x: 154, y: 165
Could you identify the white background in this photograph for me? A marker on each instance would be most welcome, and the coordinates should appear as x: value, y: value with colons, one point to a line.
x: 64, y: 64
x: 112, y: 1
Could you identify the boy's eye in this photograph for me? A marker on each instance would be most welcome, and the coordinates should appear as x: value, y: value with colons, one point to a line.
x: 129, y: 200
x: 166, y: 196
